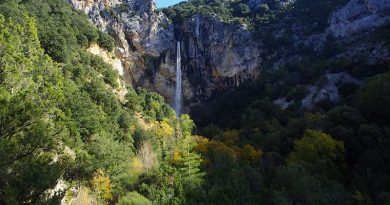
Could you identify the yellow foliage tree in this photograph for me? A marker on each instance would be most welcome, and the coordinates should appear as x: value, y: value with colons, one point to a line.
x: 102, y: 185
x: 177, y: 155
x: 164, y: 129
x: 137, y: 165
x: 251, y: 153
x: 222, y: 150
x: 231, y: 136
x: 202, y: 145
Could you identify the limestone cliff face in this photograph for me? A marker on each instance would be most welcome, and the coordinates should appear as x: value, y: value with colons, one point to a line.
x: 349, y: 26
x: 217, y: 56
x: 144, y: 40
x: 352, y: 25
x: 358, y: 16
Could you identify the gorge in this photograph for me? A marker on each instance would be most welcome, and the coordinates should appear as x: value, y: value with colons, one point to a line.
x: 219, y: 56
x: 272, y: 102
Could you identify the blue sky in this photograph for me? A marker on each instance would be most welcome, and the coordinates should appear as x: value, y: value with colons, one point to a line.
x: 166, y: 3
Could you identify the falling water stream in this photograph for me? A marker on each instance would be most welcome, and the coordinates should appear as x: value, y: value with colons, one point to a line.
x: 197, y: 25
x: 178, y: 92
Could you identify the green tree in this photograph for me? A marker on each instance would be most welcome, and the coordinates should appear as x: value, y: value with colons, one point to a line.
x: 32, y: 126
x: 106, y: 41
x: 294, y: 185
x: 374, y: 98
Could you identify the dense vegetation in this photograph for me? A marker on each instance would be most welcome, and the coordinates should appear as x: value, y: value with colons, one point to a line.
x: 258, y: 153
x: 261, y: 18
x: 332, y: 154
x: 62, y: 124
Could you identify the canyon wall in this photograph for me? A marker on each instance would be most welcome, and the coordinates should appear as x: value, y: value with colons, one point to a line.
x: 218, y: 56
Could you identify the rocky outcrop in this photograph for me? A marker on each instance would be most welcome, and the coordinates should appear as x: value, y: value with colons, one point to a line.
x: 348, y: 26
x: 108, y: 57
x: 358, y: 16
x: 120, y: 91
x: 144, y: 40
x: 327, y: 90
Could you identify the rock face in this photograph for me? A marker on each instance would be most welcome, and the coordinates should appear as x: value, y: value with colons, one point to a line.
x: 144, y: 40
x: 327, y: 90
x: 217, y: 56
x: 358, y: 16
x: 349, y: 26
x: 116, y: 64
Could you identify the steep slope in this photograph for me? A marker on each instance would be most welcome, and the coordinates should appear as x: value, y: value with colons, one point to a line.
x: 144, y: 40
x: 71, y: 131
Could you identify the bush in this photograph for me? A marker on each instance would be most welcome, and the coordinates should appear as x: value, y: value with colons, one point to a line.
x: 134, y: 198
x: 106, y: 41
x: 374, y: 99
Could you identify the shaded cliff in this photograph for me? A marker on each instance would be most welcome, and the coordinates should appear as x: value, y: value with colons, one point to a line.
x: 217, y: 56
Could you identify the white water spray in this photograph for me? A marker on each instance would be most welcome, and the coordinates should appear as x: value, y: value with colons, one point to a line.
x: 178, y: 92
x: 197, y: 25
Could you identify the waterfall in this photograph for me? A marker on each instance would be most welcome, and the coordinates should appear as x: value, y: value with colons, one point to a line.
x: 197, y: 25
x: 178, y: 92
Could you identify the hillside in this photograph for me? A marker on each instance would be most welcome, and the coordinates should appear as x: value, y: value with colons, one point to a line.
x: 289, y: 100
x: 66, y: 135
